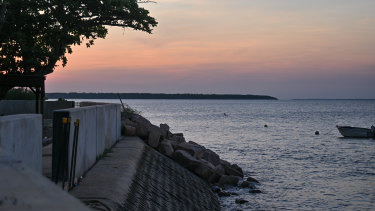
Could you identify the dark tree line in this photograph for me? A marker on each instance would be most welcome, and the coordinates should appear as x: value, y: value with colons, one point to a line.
x: 74, y: 95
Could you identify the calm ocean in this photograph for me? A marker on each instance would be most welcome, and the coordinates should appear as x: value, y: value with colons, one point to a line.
x: 297, y: 169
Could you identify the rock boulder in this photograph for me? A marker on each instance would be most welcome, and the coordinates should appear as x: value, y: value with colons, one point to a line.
x: 130, y: 123
x: 230, y: 170
x: 214, y: 178
x: 164, y: 128
x: 219, y: 169
x: 250, y: 179
x: 223, y: 194
x: 179, y: 137
x: 211, y: 157
x: 204, y: 169
x: 185, y: 159
x: 154, y: 138
x: 165, y: 147
x: 130, y: 130
x: 241, y: 201
x: 191, y: 148
x: 229, y: 180
x: 143, y: 125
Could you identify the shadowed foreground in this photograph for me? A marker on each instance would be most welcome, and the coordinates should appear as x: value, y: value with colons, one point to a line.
x: 136, y: 177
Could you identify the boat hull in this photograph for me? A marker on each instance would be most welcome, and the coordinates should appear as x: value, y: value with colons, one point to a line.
x: 355, y: 132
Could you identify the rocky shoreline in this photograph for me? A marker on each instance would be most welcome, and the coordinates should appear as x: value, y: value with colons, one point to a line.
x: 203, y: 162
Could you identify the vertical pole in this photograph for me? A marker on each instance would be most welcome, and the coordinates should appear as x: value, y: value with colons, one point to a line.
x: 75, y: 150
x: 122, y: 104
x: 66, y: 153
x: 74, y: 154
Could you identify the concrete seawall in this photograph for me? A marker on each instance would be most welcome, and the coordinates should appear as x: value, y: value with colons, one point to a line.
x: 21, y: 136
x: 132, y: 176
x: 136, y: 177
x: 99, y: 129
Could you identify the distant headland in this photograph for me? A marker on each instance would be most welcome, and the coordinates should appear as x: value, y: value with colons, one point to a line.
x: 83, y: 95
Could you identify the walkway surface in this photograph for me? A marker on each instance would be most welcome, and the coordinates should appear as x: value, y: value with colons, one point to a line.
x: 136, y: 177
x: 24, y: 189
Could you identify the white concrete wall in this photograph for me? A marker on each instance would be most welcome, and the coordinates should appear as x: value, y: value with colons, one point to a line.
x: 21, y: 136
x: 100, y: 129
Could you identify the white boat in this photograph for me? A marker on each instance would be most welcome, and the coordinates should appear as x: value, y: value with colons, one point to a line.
x: 356, y: 132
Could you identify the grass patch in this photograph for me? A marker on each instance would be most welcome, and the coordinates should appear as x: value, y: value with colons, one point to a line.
x: 129, y: 110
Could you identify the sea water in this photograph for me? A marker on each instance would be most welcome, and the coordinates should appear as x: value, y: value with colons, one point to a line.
x: 297, y: 169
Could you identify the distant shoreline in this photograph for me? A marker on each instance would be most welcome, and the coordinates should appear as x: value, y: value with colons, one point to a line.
x: 75, y: 95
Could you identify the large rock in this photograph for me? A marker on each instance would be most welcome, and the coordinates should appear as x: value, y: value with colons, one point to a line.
x: 130, y: 123
x: 138, y: 118
x: 218, y: 172
x: 250, y: 179
x: 255, y: 191
x: 142, y: 132
x: 231, y: 169
x: 130, y: 130
x: 210, y: 156
x: 194, y: 143
x: 193, y: 149
x: 214, y: 178
x: 179, y: 134
x: 178, y: 137
x: 219, y: 169
x: 174, y: 143
x: 185, y: 159
x: 155, y: 128
x: 239, y: 169
x: 229, y: 180
x: 223, y: 194
x: 241, y: 201
x: 169, y: 134
x: 247, y: 184
x: 205, y: 169
x: 154, y: 138
x: 165, y: 147
x: 164, y: 130
x: 224, y: 162
x: 143, y: 125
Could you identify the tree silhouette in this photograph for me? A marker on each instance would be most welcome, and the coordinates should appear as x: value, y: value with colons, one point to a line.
x: 36, y: 34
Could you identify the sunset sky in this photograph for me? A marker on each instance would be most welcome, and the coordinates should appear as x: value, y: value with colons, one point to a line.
x: 284, y: 48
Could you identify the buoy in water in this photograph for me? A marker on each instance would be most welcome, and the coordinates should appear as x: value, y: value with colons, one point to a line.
x: 265, y: 125
x: 316, y: 132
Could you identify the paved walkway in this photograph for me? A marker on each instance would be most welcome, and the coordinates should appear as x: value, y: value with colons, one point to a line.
x: 137, y: 177
x: 24, y: 189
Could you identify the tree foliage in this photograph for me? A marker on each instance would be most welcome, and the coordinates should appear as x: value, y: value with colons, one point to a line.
x: 36, y: 34
x: 20, y: 94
